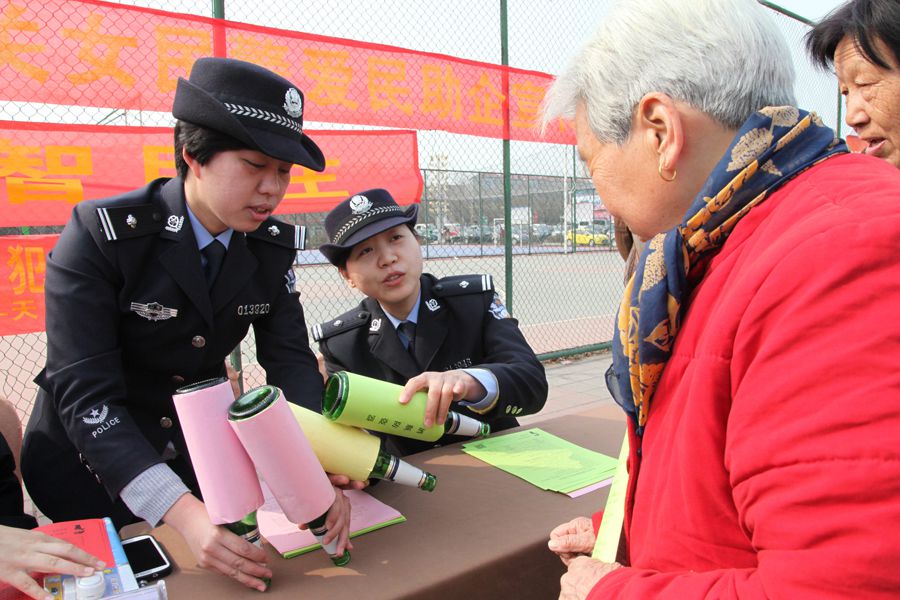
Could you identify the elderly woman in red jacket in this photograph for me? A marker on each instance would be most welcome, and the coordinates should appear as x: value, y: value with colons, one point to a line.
x: 757, y: 351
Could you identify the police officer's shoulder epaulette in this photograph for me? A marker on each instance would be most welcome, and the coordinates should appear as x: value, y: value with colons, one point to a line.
x: 347, y: 321
x: 281, y: 233
x: 125, y: 222
x: 457, y: 285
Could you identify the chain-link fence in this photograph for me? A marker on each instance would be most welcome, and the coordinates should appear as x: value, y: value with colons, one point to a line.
x: 432, y: 70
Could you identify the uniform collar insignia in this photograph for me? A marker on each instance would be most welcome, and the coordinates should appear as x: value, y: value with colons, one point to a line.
x: 375, y: 325
x: 154, y: 311
x: 174, y: 223
x: 432, y: 305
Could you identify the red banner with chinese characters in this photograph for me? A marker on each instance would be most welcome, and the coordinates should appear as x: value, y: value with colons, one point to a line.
x: 110, y: 55
x: 23, y: 263
x: 46, y: 169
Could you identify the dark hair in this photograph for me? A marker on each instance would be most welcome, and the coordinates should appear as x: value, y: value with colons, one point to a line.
x: 865, y: 22
x: 201, y: 143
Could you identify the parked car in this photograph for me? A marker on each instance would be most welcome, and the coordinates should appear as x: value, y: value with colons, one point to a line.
x: 478, y: 234
x: 428, y: 233
x: 540, y: 232
x: 586, y: 237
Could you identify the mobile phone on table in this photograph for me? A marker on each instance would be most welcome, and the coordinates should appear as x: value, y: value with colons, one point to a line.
x: 147, y: 558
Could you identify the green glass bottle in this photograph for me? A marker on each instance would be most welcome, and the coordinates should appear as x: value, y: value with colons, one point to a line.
x: 459, y: 424
x: 250, y: 404
x: 388, y: 466
x: 318, y: 529
x: 248, y: 528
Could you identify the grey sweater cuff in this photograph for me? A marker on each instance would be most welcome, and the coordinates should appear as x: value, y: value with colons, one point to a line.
x: 152, y: 493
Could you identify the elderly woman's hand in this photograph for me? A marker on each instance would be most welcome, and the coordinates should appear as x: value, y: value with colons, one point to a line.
x: 573, y: 539
x: 583, y: 574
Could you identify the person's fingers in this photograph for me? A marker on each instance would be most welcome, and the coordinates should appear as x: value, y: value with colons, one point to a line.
x: 245, y: 572
x: 432, y: 405
x: 338, y: 522
x: 25, y: 584
x: 448, y: 395
x: 231, y: 545
x: 71, y: 555
x: 561, y: 529
x: 338, y: 480
x: 39, y: 562
x: 412, y: 386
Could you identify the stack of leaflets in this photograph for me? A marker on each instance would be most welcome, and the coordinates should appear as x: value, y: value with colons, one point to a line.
x: 545, y: 460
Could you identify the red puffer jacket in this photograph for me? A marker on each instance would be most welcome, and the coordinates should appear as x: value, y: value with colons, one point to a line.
x: 770, y: 464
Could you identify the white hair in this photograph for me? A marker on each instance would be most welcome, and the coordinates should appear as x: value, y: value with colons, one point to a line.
x: 725, y: 58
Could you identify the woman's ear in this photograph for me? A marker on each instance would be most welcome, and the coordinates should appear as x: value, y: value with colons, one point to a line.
x: 191, y: 162
x: 659, y: 123
x: 346, y: 276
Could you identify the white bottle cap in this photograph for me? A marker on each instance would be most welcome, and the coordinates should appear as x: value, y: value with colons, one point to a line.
x: 91, y: 587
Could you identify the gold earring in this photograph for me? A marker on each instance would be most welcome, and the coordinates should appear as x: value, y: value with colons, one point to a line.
x: 663, y: 177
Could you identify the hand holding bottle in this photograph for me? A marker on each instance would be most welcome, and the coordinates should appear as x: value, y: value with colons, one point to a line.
x: 443, y: 388
x: 335, y: 527
x: 366, y: 402
x: 216, y: 548
x: 345, y: 483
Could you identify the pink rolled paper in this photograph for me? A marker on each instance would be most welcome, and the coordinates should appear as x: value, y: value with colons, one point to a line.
x: 224, y: 471
x: 266, y: 427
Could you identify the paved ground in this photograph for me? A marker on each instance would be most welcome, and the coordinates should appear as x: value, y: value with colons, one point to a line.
x: 576, y: 385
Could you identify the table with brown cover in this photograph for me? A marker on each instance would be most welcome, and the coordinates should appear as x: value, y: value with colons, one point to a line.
x: 482, y: 534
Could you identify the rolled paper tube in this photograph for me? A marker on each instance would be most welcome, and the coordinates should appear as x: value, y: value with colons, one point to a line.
x: 224, y: 471
x: 360, y: 401
x: 283, y: 456
x: 341, y: 450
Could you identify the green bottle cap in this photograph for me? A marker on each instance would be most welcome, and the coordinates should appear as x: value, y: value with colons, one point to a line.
x: 253, y: 402
x: 200, y: 385
x: 340, y: 561
x: 335, y: 395
x: 430, y: 483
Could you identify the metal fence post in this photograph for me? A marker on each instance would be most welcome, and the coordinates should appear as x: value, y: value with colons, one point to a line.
x: 507, y: 185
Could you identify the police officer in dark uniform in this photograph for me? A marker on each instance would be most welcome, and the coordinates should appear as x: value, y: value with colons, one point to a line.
x: 451, y: 336
x: 150, y: 290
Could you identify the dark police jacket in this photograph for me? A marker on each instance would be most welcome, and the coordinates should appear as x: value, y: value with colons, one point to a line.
x: 130, y: 320
x: 12, y: 510
x: 459, y: 326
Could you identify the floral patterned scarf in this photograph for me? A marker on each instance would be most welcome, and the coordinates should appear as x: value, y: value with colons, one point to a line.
x: 773, y: 146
